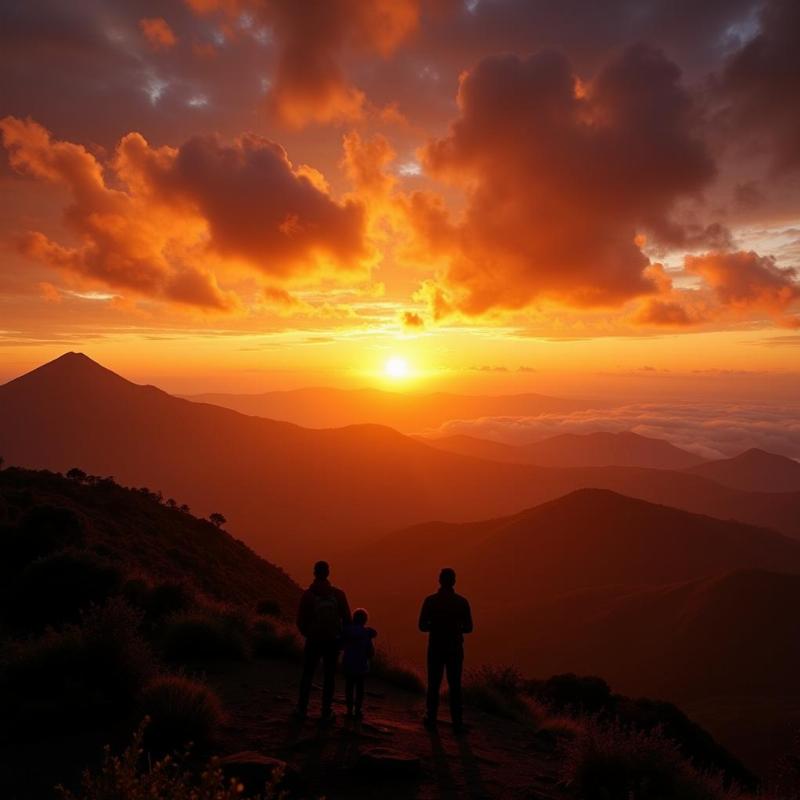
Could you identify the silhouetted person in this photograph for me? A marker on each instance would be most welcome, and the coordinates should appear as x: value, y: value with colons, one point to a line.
x: 357, y: 651
x: 445, y: 617
x: 322, y: 614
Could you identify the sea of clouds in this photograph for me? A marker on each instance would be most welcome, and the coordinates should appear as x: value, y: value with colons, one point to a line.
x: 711, y: 430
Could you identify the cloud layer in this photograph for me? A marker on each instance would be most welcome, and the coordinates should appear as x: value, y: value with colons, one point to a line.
x: 711, y: 430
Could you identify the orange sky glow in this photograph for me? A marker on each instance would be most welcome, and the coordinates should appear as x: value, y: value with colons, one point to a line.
x: 487, y: 197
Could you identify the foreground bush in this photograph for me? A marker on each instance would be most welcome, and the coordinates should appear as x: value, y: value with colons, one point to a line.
x: 500, y: 691
x: 127, y: 777
x: 181, y: 712
x: 614, y: 763
x: 54, y: 589
x: 206, y: 634
x: 77, y: 677
x: 272, y: 639
x: 391, y: 669
x: 160, y: 601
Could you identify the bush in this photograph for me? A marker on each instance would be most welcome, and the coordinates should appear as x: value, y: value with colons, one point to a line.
x: 579, y: 694
x: 206, y: 634
x: 614, y: 763
x: 159, y: 601
x: 42, y: 530
x: 125, y: 777
x: 83, y: 675
x: 499, y: 691
x: 181, y: 712
x: 56, y: 588
x: 387, y: 666
x: 270, y: 639
x: 269, y: 608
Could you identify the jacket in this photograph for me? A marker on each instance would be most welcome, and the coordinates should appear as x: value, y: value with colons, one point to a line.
x: 321, y: 587
x: 446, y: 616
x: 357, y: 648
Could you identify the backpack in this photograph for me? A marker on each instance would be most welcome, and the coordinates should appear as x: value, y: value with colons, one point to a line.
x: 326, y: 623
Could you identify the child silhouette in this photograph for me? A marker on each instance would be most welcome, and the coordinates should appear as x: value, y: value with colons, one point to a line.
x: 358, y: 650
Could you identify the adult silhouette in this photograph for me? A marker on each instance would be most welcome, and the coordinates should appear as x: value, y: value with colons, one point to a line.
x: 322, y: 614
x: 445, y: 617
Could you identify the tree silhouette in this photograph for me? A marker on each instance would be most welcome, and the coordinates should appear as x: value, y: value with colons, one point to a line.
x: 76, y: 474
x: 184, y: 508
x: 171, y: 503
x: 217, y: 519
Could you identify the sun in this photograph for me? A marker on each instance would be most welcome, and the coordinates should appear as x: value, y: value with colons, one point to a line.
x: 397, y: 368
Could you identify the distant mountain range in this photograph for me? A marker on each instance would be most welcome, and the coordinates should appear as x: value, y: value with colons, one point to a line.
x: 586, y: 541
x: 754, y: 471
x: 659, y: 601
x: 297, y: 494
x: 599, y: 449
x: 404, y: 411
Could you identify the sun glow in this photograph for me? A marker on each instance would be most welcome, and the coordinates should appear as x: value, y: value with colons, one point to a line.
x: 397, y: 368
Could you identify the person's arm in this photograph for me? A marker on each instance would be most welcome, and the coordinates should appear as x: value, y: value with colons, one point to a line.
x: 467, y: 623
x: 425, y: 617
x: 344, y: 608
x: 302, y: 615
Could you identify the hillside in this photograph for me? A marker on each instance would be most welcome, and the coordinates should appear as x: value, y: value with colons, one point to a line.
x: 599, y: 449
x: 295, y: 494
x: 226, y: 677
x: 753, y: 471
x: 323, y: 407
x: 137, y: 534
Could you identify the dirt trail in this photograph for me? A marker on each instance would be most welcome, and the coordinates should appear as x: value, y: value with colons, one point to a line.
x: 495, y: 758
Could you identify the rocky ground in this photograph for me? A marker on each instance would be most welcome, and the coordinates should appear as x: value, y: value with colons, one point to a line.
x: 388, y: 755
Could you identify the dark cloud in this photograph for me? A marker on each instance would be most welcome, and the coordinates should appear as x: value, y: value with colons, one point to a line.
x: 763, y: 81
x: 562, y: 176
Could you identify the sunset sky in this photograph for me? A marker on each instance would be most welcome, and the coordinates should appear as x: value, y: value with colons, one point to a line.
x: 500, y: 195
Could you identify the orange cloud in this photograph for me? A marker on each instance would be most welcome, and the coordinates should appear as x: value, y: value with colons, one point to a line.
x: 167, y: 221
x: 312, y: 37
x: 733, y: 284
x: 158, y: 33
x: 743, y: 280
x: 560, y: 182
x: 412, y: 321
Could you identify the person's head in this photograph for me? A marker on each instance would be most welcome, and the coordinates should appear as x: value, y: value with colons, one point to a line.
x: 447, y: 578
x: 360, y: 616
x: 322, y: 569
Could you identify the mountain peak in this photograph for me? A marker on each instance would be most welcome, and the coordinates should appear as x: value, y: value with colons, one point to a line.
x: 71, y: 367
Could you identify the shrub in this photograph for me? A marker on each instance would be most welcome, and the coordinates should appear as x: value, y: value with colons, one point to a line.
x: 181, y: 711
x: 159, y: 601
x: 499, y: 691
x: 271, y: 639
x: 125, y: 777
x: 206, y: 634
x: 269, y: 608
x: 42, y: 530
x: 615, y: 763
x: 56, y: 588
x: 400, y: 674
x: 85, y: 674
x: 576, y: 693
